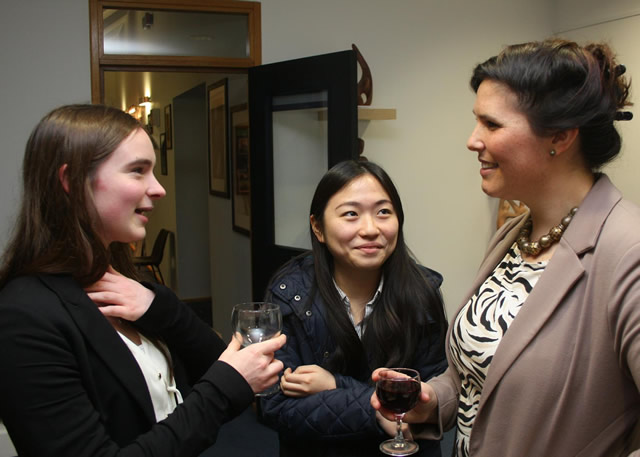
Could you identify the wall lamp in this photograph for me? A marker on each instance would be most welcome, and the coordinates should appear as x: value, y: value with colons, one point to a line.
x: 145, y: 101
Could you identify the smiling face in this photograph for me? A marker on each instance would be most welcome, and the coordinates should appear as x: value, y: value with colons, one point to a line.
x: 124, y: 188
x: 360, y: 226
x: 513, y: 159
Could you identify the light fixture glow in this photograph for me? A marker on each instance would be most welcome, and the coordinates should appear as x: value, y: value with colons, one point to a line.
x: 145, y: 101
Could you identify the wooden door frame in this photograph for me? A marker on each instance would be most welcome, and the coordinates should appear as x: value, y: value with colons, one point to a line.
x: 100, y: 61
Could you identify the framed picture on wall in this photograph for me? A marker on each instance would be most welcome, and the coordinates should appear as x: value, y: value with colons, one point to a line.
x: 241, y: 195
x: 168, y: 126
x: 217, y: 97
x: 163, y: 154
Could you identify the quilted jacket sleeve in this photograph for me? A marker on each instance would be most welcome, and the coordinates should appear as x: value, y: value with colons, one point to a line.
x: 343, y: 412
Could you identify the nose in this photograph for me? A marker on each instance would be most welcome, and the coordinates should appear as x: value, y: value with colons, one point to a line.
x: 474, y: 142
x: 155, y: 189
x: 368, y: 226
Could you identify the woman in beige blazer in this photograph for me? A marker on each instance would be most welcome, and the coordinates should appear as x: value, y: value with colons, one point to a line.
x: 544, y: 354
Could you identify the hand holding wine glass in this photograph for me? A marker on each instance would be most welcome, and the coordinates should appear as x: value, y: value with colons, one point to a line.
x: 398, y: 390
x: 255, y: 322
x: 424, y: 412
x: 256, y: 363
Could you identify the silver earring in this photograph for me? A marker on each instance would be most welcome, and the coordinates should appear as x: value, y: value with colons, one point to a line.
x: 552, y: 152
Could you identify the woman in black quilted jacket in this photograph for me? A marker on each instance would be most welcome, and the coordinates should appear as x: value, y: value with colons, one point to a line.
x: 356, y: 302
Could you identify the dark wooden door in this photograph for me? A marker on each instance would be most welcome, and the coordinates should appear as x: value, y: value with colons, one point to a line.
x: 303, y: 117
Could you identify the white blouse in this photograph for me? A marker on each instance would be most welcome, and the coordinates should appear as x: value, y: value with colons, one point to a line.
x: 164, y: 394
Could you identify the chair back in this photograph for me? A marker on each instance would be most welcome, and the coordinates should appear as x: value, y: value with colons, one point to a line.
x: 158, y: 246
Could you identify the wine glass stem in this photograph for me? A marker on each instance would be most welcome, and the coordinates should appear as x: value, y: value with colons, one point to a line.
x: 399, y: 439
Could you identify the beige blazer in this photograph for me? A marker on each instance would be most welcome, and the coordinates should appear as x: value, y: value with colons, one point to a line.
x: 564, y: 379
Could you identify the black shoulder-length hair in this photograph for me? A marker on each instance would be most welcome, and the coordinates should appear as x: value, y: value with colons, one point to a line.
x: 409, y: 304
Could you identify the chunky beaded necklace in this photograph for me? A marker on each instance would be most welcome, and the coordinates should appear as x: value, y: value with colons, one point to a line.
x: 536, y: 247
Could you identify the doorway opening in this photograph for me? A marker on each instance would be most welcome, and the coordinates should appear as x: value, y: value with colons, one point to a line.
x: 152, y: 57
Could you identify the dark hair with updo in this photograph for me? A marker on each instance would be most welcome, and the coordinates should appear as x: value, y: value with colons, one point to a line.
x: 561, y: 85
x: 57, y: 231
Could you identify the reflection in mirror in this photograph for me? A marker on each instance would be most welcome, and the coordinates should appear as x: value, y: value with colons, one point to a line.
x: 300, y: 158
x: 175, y: 33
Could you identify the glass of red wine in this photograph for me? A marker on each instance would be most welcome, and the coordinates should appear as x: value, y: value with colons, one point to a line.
x: 398, y: 390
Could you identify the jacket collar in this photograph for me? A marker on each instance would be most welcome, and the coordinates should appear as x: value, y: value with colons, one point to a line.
x: 562, y: 272
x: 102, y: 338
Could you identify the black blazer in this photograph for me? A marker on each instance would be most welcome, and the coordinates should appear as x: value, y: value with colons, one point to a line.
x: 69, y: 386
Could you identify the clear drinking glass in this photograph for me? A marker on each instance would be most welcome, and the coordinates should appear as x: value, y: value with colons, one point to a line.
x: 254, y: 322
x: 398, y: 390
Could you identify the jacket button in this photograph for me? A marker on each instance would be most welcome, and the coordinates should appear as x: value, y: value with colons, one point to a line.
x: 308, y: 312
x: 326, y: 355
x: 283, y: 286
x: 297, y: 298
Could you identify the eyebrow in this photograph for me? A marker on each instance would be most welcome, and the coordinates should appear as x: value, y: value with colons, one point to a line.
x: 140, y: 162
x: 486, y: 117
x: 358, y: 204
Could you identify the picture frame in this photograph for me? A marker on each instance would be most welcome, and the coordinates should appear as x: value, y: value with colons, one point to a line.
x: 240, y: 166
x: 217, y: 102
x: 168, y: 126
x: 163, y: 155
x: 149, y: 125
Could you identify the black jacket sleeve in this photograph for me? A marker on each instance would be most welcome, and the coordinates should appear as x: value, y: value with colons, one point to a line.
x: 55, y: 388
x: 190, y: 340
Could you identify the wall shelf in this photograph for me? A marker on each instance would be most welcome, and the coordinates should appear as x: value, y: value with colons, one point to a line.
x: 367, y: 114
x: 376, y: 114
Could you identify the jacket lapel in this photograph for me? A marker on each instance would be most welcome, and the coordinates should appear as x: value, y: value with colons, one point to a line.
x: 103, y: 339
x: 562, y: 272
x: 558, y: 278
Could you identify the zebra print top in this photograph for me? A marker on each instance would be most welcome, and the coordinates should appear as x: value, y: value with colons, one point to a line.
x: 478, y: 329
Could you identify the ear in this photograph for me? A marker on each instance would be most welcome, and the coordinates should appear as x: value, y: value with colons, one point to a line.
x: 62, y: 175
x: 564, y: 140
x: 317, y: 231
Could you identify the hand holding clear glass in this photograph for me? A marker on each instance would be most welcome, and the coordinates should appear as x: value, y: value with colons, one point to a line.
x: 255, y: 322
x: 398, y: 390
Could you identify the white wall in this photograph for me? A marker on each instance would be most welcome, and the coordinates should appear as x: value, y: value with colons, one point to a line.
x: 574, y: 14
x: 623, y: 35
x: 45, y: 63
x: 421, y: 54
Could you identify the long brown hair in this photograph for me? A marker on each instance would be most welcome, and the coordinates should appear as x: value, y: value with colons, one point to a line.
x: 56, y: 229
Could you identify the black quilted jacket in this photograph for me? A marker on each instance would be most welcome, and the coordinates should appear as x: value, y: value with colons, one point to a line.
x: 338, y: 422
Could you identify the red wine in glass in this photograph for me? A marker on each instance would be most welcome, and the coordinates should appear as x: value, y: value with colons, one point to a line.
x: 398, y: 390
x: 400, y: 395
